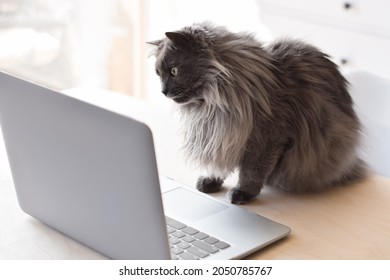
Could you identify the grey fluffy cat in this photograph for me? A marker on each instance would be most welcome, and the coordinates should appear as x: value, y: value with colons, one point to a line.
x: 280, y: 114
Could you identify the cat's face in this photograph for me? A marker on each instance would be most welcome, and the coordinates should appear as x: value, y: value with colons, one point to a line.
x: 183, y: 67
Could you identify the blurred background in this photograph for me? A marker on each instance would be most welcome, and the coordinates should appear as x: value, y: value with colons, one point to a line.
x: 71, y: 43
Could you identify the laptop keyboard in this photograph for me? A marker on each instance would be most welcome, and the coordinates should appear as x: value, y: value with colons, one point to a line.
x: 187, y: 243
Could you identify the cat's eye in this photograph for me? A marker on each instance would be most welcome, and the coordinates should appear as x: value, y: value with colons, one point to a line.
x: 174, y: 71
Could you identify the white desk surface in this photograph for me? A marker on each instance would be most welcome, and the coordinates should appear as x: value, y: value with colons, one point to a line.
x: 351, y: 222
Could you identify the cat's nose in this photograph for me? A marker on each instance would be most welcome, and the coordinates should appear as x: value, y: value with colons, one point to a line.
x: 164, y: 90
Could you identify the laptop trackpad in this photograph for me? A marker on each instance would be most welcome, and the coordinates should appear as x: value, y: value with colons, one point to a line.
x: 189, y: 205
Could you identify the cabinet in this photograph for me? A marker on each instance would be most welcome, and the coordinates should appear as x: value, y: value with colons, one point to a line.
x: 355, y: 33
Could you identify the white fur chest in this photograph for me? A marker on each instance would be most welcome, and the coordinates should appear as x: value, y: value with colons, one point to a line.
x: 213, y: 139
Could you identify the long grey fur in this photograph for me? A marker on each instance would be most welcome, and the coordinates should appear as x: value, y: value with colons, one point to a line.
x: 281, y: 115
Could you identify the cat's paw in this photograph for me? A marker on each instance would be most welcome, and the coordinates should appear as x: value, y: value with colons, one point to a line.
x: 209, y: 184
x: 238, y: 196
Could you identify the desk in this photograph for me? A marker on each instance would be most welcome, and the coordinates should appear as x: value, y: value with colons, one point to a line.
x: 350, y: 222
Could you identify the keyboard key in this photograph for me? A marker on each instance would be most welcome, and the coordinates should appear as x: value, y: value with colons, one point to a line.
x: 170, y: 230
x: 201, y: 235
x: 176, y: 251
x: 188, y: 256
x: 188, y: 238
x: 183, y: 245
x: 204, y: 246
x: 211, y: 240
x: 196, y: 251
x: 190, y: 230
x: 173, y: 223
x: 174, y: 240
x: 178, y: 234
x: 221, y: 245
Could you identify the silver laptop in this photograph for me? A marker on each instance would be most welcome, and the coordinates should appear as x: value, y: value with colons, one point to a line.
x: 91, y: 174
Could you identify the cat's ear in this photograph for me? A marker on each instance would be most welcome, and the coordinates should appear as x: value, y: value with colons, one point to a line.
x: 155, y: 43
x: 156, y: 47
x: 180, y: 40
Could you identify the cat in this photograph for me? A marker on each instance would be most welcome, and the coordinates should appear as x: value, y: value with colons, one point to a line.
x: 279, y: 114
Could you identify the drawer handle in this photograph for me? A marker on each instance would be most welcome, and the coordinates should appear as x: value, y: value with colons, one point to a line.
x: 347, y: 5
x: 344, y: 61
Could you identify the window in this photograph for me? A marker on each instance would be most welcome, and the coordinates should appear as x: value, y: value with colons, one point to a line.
x: 71, y: 43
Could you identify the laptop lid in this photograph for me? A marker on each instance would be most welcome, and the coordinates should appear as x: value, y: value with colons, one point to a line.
x: 83, y: 170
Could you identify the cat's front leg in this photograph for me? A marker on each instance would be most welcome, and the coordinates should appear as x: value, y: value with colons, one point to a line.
x: 248, y: 187
x: 209, y: 184
x: 253, y: 172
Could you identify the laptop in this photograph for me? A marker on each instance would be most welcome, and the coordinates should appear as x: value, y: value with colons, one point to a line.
x: 91, y: 174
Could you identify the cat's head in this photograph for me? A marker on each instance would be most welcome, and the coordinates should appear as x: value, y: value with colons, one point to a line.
x: 186, y: 65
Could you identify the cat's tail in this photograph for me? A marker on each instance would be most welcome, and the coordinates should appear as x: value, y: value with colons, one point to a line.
x: 357, y: 172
